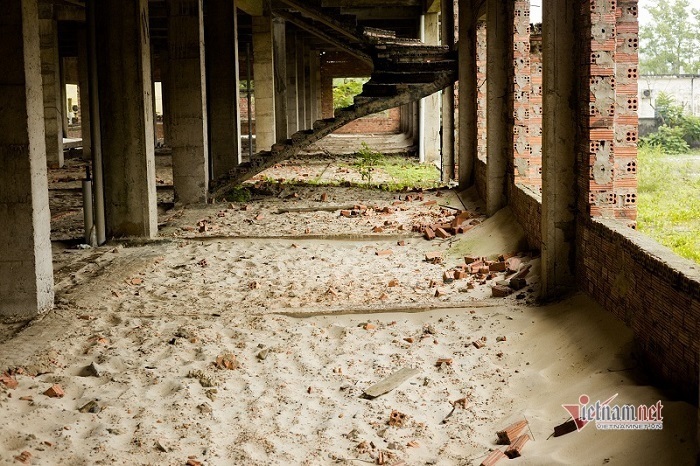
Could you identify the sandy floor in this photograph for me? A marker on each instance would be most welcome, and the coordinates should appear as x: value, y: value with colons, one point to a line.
x: 301, y: 323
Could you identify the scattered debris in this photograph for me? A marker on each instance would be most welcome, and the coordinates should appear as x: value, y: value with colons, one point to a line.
x: 9, y: 381
x: 389, y: 383
x: 55, y: 391
x: 513, y: 451
x: 442, y: 361
x: 25, y: 457
x: 510, y: 433
x: 397, y: 419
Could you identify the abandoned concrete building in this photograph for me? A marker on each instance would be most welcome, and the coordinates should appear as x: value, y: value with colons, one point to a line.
x: 537, y: 118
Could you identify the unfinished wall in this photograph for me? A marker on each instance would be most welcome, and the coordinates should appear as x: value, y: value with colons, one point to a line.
x: 379, y: 123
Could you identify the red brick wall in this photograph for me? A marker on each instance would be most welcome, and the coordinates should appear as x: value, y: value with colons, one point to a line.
x: 381, y: 123
x: 652, y: 290
x: 526, y: 205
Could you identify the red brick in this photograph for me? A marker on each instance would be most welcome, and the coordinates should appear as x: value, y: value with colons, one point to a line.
x: 434, y: 257
x: 494, y: 457
x: 513, y: 451
x: 384, y: 252
x: 497, y: 267
x: 429, y: 233
x: 9, y: 381
x: 513, y: 264
x: 55, y: 391
x: 500, y: 291
x: 508, y: 435
x: 442, y: 233
x: 448, y: 276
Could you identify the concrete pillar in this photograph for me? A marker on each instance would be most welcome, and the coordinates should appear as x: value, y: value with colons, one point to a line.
x: 448, y: 95
x: 468, y: 88
x: 292, y: 91
x: 429, y: 148
x: 264, y: 78
x: 26, y: 272
x: 51, y: 80
x: 499, y: 134
x: 309, y: 85
x: 84, y: 86
x: 221, y: 30
x: 301, y: 84
x: 165, y: 91
x: 559, y: 146
x: 315, y: 73
x: 126, y: 117
x: 279, y: 48
x: 188, y: 101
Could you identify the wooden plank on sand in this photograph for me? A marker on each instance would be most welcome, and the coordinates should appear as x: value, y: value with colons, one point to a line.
x: 389, y: 383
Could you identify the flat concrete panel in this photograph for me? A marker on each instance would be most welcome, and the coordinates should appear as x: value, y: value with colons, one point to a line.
x: 126, y: 118
x: 26, y: 270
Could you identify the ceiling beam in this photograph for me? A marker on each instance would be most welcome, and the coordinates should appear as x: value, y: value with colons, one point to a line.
x: 320, y: 17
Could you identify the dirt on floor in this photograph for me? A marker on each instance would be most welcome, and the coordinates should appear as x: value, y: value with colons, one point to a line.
x: 249, y: 332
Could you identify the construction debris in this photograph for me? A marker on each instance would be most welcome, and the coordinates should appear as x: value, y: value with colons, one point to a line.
x: 508, y: 435
x: 389, y: 383
x: 397, y: 419
x: 513, y: 451
x: 565, y: 428
x: 494, y: 457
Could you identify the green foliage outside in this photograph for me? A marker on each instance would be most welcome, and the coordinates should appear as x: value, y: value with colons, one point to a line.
x: 669, y: 43
x: 669, y: 199
x: 678, y: 132
x: 345, y: 90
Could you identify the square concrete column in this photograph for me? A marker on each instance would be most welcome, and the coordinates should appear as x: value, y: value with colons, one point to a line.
x: 559, y: 144
x: 264, y: 78
x: 429, y: 148
x: 315, y: 74
x: 84, y: 86
x: 308, y: 83
x: 221, y: 32
x: 447, y: 23
x: 126, y: 118
x: 51, y: 79
x: 292, y: 90
x: 279, y: 47
x: 468, y: 88
x: 26, y: 272
x: 301, y: 84
x: 499, y: 128
x: 188, y: 101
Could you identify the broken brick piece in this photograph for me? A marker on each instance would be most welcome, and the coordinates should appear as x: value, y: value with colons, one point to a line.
x: 448, y: 276
x: 397, y: 419
x: 25, y: 457
x: 442, y: 361
x: 385, y: 252
x: 494, y: 457
x: 471, y: 259
x: 484, y: 269
x: 497, y: 267
x: 565, y: 428
x: 513, y: 264
x: 523, y: 272
x: 377, y: 229
x: 434, y: 257
x: 345, y: 213
x: 431, y: 202
x: 429, y: 234
x: 518, y: 283
x: 506, y: 256
x: 393, y: 283
x: 192, y: 462
x: 227, y: 361
x: 439, y: 292
x: 369, y: 326
x: 500, y: 291
x: 513, y: 451
x: 324, y: 197
x: 508, y: 435
x: 442, y: 233
x: 478, y: 344
x: 460, y: 274
x: 9, y: 381
x: 401, y: 243
x: 460, y: 219
x: 55, y: 391
x: 474, y: 267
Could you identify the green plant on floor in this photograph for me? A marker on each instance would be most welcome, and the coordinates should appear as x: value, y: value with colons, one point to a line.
x: 237, y: 194
x: 367, y: 161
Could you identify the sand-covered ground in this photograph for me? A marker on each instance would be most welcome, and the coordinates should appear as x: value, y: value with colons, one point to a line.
x: 252, y: 341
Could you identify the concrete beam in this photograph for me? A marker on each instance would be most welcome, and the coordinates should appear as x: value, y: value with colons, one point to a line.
x: 558, y: 146
x: 26, y: 271
x: 467, y: 93
x: 251, y: 7
x: 126, y: 117
x: 222, y: 67
x: 188, y: 101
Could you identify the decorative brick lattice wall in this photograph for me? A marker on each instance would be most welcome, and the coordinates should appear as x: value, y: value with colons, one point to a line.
x: 520, y: 78
x: 533, y: 178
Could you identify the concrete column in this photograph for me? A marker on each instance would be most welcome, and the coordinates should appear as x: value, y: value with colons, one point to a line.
x: 188, y: 101
x: 279, y: 48
x: 315, y: 73
x: 468, y: 88
x: 221, y: 29
x: 430, y: 106
x: 83, y: 84
x: 26, y: 272
x: 292, y: 91
x: 301, y: 84
x: 448, y: 96
x: 165, y: 91
x: 499, y: 130
x: 309, y: 85
x: 126, y: 117
x: 559, y: 146
x: 51, y: 80
x: 264, y: 78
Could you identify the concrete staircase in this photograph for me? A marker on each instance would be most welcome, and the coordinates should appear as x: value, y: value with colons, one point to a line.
x: 405, y: 71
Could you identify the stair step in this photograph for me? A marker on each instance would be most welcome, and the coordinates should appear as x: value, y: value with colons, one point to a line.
x: 371, y: 89
x: 320, y: 124
x: 427, y: 65
x: 399, y: 77
x: 417, y: 48
x: 298, y: 136
x: 362, y: 100
x: 377, y: 33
